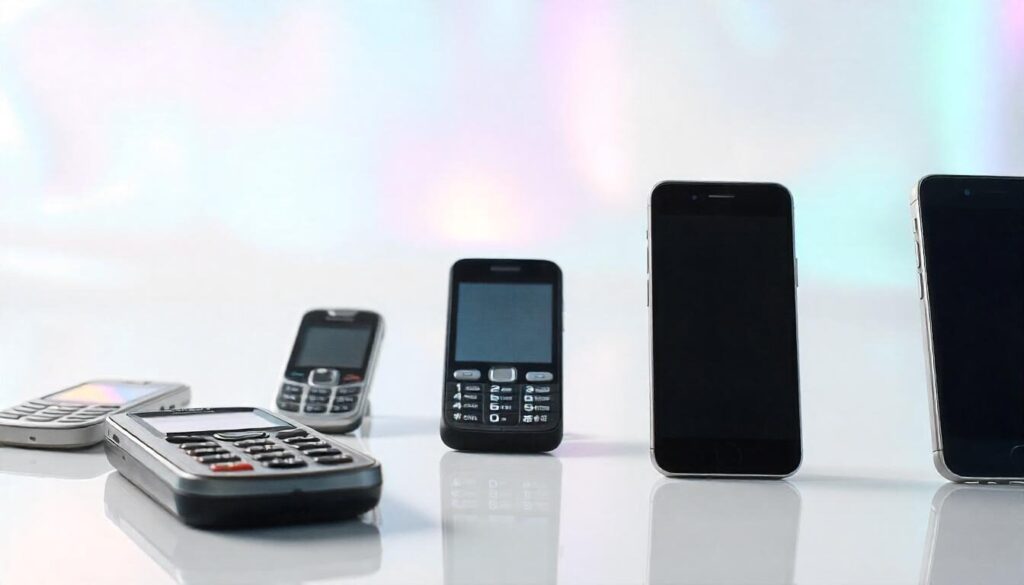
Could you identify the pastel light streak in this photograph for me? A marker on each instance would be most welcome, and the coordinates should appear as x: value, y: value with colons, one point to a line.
x: 587, y: 70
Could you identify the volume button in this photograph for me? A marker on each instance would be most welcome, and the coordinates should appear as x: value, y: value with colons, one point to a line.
x: 920, y: 286
x: 648, y: 292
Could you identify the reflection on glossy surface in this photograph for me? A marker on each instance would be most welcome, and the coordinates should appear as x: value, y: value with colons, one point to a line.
x: 75, y: 464
x: 718, y: 532
x: 975, y: 535
x: 499, y: 516
x: 273, y: 555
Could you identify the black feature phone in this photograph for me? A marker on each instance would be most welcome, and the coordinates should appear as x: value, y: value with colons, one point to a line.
x: 724, y: 375
x: 503, y: 359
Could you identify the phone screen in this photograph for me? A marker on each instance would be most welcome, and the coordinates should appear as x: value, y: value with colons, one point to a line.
x: 333, y: 347
x: 212, y: 421
x: 725, y: 377
x: 106, y: 393
x: 973, y: 232
x: 504, y: 323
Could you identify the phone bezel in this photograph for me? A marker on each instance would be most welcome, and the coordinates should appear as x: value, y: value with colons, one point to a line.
x: 717, y: 457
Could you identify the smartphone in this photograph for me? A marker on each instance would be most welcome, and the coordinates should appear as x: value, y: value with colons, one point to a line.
x: 230, y: 467
x: 74, y: 417
x: 700, y: 529
x: 503, y: 358
x: 500, y: 518
x: 974, y: 535
x: 969, y: 233
x: 722, y: 296
x: 327, y: 380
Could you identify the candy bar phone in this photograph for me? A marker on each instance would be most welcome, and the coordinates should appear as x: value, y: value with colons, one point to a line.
x: 503, y: 360
x: 73, y: 418
x: 223, y: 467
x: 327, y: 381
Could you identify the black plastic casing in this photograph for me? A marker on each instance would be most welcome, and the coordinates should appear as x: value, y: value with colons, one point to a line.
x: 511, y: 439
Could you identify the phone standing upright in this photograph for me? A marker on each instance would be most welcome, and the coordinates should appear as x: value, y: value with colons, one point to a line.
x: 969, y: 233
x: 503, y: 359
x: 722, y: 296
x: 327, y: 380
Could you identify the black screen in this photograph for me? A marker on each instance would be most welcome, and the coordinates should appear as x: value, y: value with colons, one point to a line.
x: 974, y: 249
x: 504, y: 323
x: 724, y: 329
x: 333, y: 347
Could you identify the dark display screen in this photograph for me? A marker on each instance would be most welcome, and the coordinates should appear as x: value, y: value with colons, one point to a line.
x: 333, y: 347
x: 974, y: 250
x: 504, y: 323
x: 724, y: 331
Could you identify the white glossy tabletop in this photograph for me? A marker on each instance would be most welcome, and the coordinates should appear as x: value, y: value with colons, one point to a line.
x: 593, y: 512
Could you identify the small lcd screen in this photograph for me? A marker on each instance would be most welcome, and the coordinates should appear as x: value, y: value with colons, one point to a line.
x: 105, y: 393
x: 333, y: 347
x: 214, y: 421
x: 504, y: 323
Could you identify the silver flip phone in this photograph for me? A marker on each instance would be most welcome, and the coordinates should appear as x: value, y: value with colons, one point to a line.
x: 327, y: 380
x: 73, y: 418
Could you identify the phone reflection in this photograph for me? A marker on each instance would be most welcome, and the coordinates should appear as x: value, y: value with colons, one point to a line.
x: 718, y: 532
x: 975, y: 535
x: 499, y: 517
x: 293, y: 554
x: 71, y: 464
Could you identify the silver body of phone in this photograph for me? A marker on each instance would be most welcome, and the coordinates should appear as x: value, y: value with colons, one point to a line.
x: 926, y: 320
x: 337, y: 422
x: 79, y: 423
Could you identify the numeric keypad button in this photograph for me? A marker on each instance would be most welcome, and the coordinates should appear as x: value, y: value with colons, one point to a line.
x: 348, y: 391
x: 288, y: 405
x: 316, y: 408
x: 342, y: 407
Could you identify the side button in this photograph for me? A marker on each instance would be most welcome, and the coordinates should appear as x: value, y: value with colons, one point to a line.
x: 920, y: 287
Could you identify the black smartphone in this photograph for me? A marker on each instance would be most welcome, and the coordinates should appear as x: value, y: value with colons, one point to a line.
x: 503, y: 357
x: 970, y: 237
x: 724, y: 374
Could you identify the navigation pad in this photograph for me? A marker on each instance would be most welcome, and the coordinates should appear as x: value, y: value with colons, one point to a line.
x: 501, y: 405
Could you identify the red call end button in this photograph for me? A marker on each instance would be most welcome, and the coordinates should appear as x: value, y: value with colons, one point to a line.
x: 351, y: 378
x: 237, y: 466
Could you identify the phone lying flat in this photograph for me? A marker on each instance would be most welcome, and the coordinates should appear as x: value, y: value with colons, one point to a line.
x: 503, y: 360
x: 227, y: 467
x: 724, y: 363
x: 327, y: 380
x: 969, y: 233
x: 73, y: 418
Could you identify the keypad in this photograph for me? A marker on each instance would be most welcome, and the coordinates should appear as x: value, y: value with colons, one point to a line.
x: 57, y: 412
x: 321, y: 399
x: 254, y: 450
x: 500, y: 404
